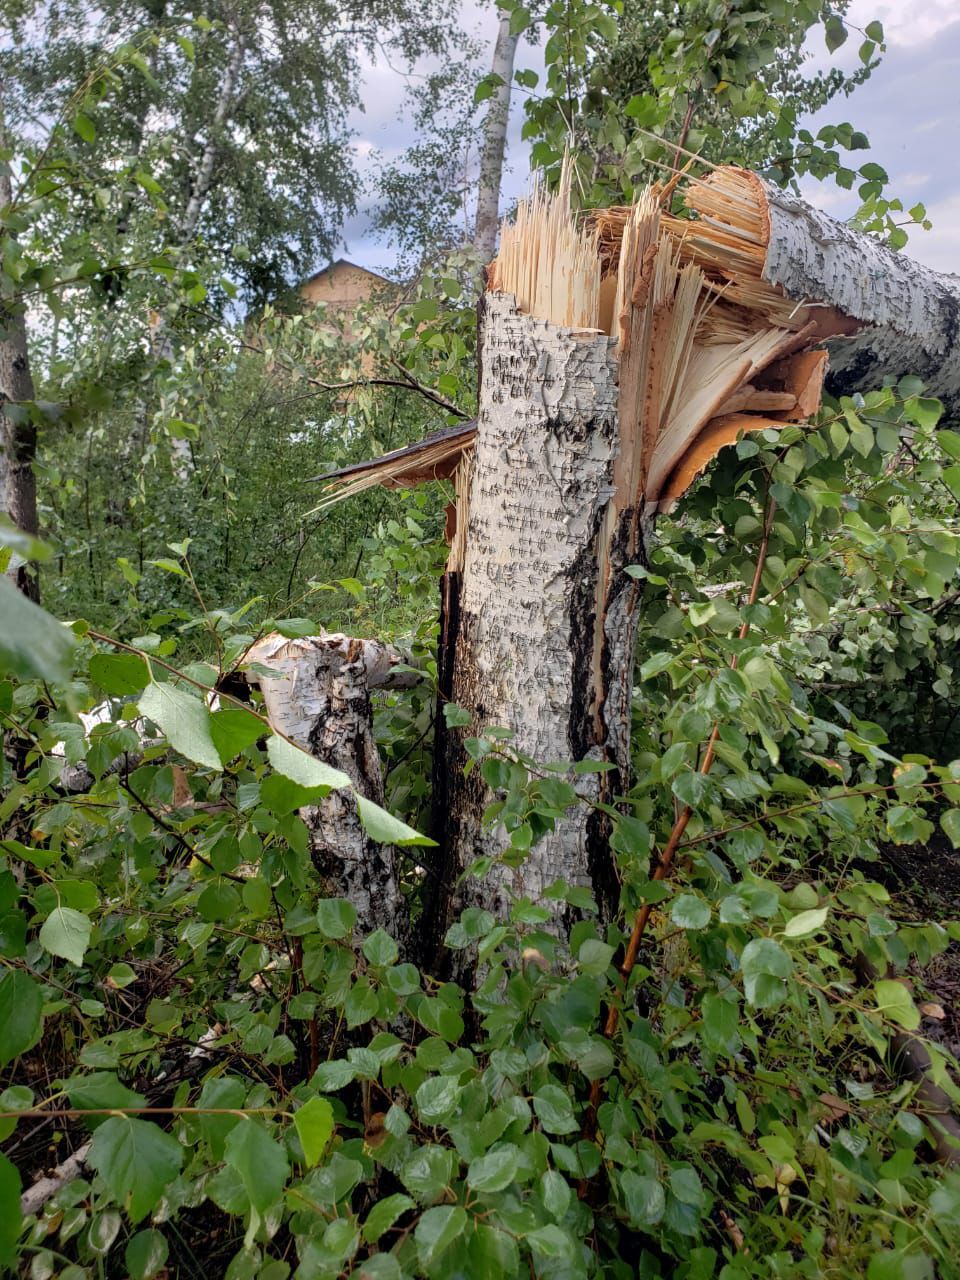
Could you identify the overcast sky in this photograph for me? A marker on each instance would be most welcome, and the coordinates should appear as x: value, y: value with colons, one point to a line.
x: 910, y: 110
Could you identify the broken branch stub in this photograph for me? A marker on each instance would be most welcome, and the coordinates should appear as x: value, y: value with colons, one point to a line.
x: 319, y: 697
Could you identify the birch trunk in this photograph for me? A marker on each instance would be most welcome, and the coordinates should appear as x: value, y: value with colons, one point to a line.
x: 203, y: 179
x: 495, y: 141
x: 320, y: 698
x: 18, y: 432
x: 907, y: 316
x: 540, y: 625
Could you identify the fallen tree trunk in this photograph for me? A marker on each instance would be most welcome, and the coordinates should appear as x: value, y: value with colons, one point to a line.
x: 319, y: 697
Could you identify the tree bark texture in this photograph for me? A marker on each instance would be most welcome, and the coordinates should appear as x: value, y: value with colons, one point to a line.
x: 909, y: 315
x: 540, y: 639
x: 495, y: 141
x: 18, y: 431
x: 320, y: 699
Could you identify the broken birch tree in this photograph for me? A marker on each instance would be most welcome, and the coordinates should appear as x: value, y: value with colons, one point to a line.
x: 620, y: 353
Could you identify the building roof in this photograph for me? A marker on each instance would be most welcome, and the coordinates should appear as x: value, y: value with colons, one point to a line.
x: 342, y: 262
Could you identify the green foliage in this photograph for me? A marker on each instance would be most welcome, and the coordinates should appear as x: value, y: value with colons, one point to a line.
x: 632, y: 91
x: 335, y: 1105
x: 266, y: 1093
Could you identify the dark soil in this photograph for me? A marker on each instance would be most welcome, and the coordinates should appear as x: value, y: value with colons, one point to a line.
x: 925, y: 879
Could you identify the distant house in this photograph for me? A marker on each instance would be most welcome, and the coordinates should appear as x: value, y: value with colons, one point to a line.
x: 343, y: 285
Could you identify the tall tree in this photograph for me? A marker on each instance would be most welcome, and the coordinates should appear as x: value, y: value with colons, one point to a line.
x: 240, y: 112
x: 18, y: 431
x: 495, y: 134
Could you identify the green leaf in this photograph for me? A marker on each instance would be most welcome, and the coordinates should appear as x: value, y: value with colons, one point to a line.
x: 336, y: 917
x: 552, y: 1244
x: 519, y: 20
x: 33, y: 645
x: 100, y: 1090
x: 690, y: 912
x: 303, y: 768
x: 137, y: 1160
x: 257, y: 897
x: 184, y: 721
x: 765, y: 966
x: 384, y: 1214
x: 10, y: 1216
x: 950, y: 821
x: 437, y: 1230
x: 233, y: 730
x: 218, y: 902
x: 119, y: 674
x: 259, y: 1160
x: 385, y: 828
x: 806, y: 922
x: 556, y: 1194
x: 835, y: 33
x: 896, y: 1003
x: 145, y: 1254
x: 438, y: 1098
x: 495, y: 1171
x: 554, y: 1109
x: 314, y: 1125
x: 21, y: 1014
x: 66, y: 933
x: 84, y: 127
x: 380, y: 949
x: 644, y: 1198
x: 218, y: 1094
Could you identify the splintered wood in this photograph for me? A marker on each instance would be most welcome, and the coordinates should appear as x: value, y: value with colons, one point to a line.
x: 696, y: 325
x: 549, y: 263
x: 700, y: 334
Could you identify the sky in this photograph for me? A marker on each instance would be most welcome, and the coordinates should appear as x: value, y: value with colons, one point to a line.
x: 909, y: 108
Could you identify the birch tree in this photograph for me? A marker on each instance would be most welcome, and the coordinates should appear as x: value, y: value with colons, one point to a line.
x: 18, y: 432
x: 495, y: 135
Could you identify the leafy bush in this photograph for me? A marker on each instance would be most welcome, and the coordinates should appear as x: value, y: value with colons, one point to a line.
x: 259, y: 1092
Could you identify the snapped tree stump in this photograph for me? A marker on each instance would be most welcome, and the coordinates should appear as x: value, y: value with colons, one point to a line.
x: 319, y: 697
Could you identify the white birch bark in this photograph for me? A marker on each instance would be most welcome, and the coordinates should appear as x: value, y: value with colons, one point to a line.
x: 18, y: 434
x: 320, y: 698
x: 544, y: 630
x: 204, y: 174
x: 495, y: 141
x: 910, y: 315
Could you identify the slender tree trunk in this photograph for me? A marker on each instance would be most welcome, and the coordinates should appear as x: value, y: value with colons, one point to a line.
x: 18, y: 431
x: 203, y: 179
x: 320, y: 698
x: 495, y: 141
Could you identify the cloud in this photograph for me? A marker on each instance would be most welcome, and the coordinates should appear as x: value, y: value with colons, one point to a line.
x: 905, y: 108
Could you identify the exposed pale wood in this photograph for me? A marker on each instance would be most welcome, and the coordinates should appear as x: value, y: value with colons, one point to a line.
x: 718, y: 433
x: 801, y: 376
x: 548, y: 262
x: 757, y: 400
